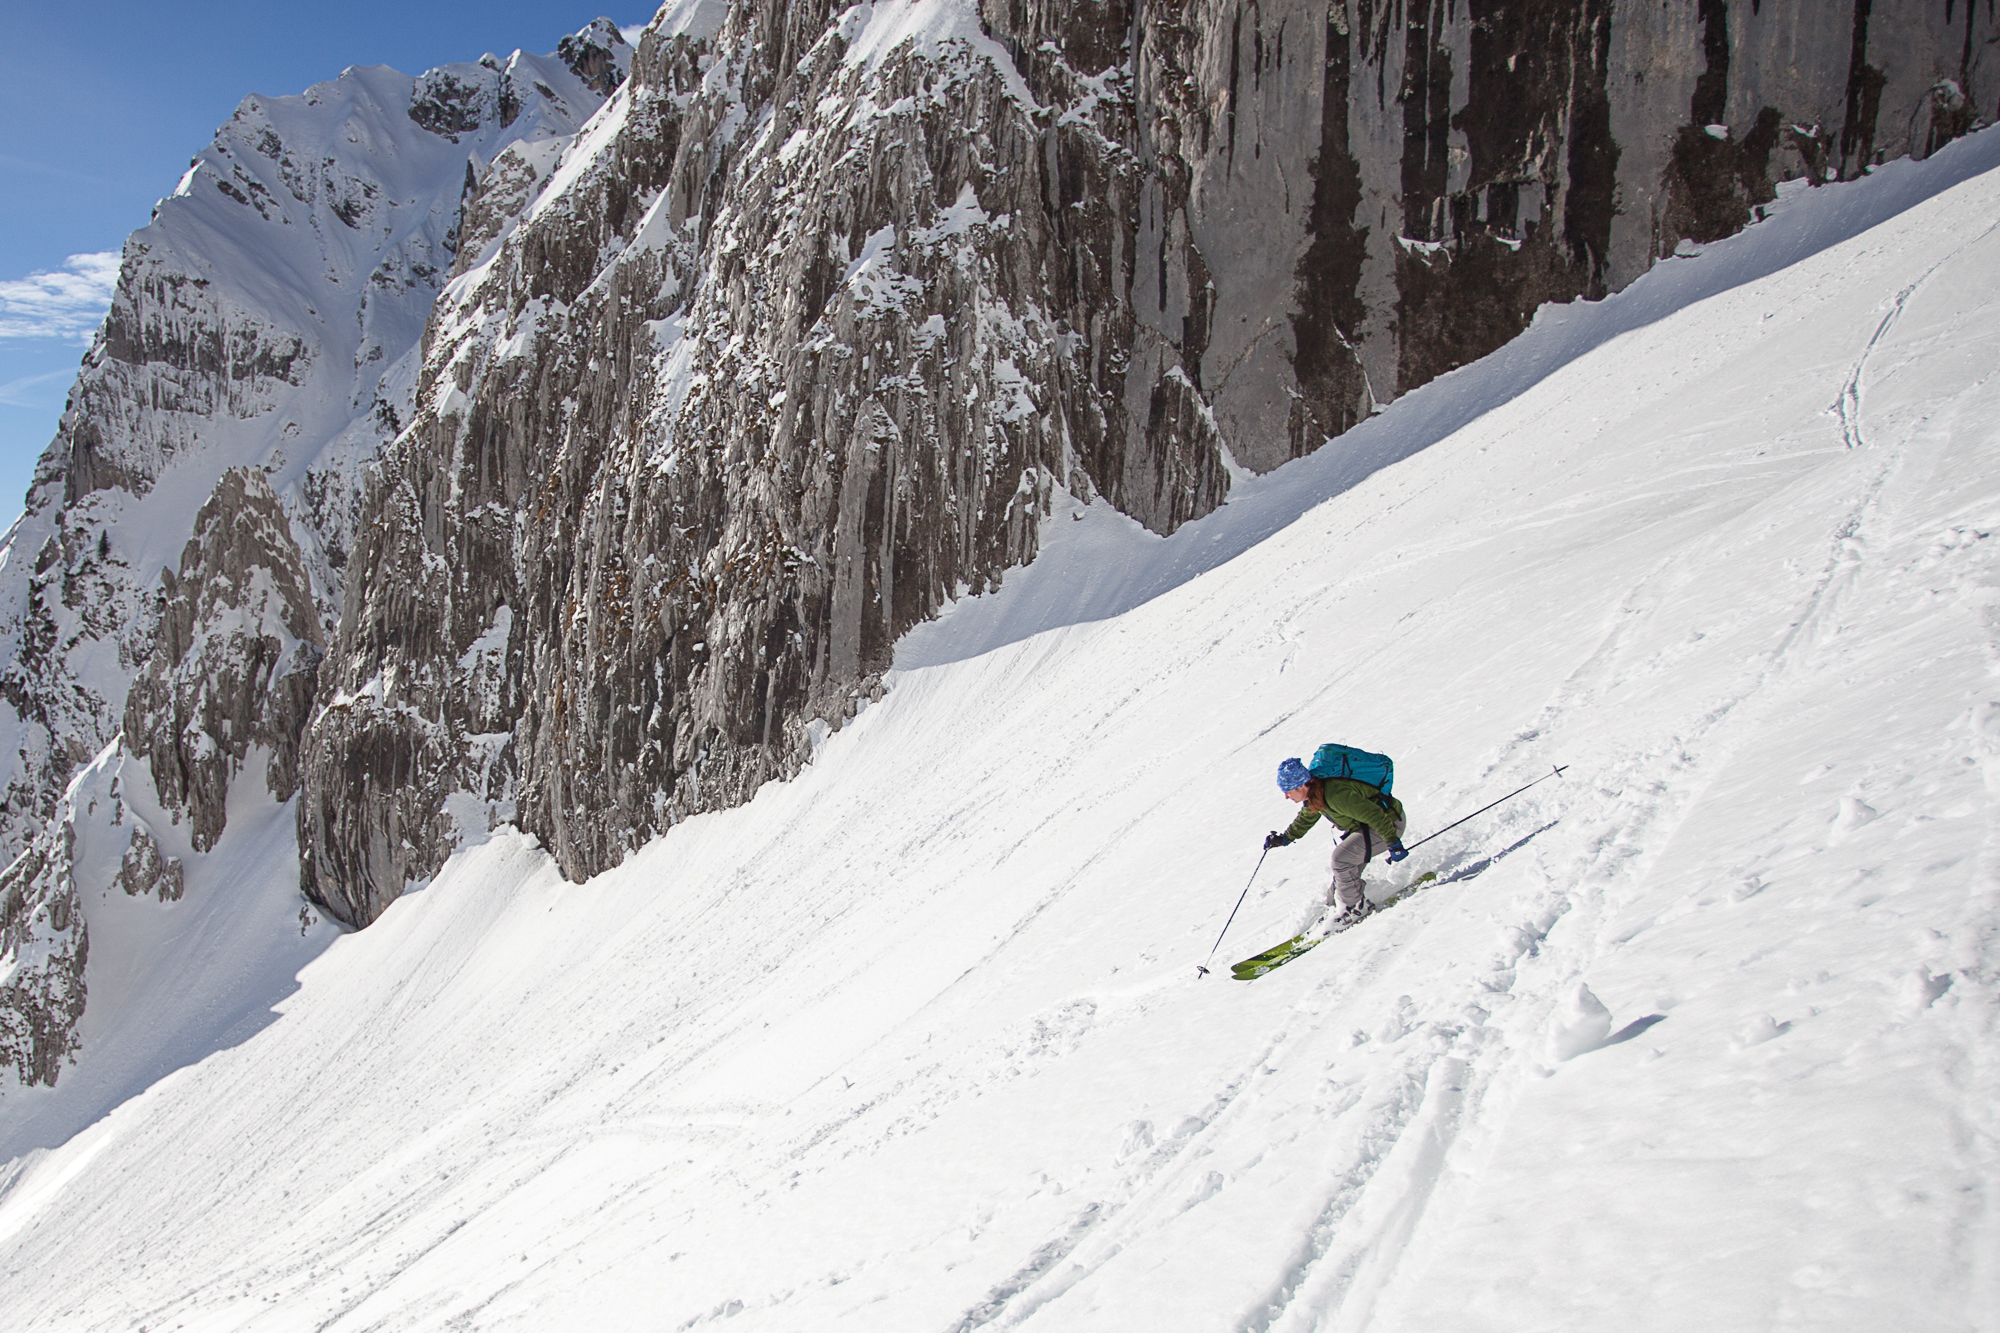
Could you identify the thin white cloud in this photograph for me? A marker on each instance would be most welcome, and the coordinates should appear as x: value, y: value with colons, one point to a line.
x: 68, y: 303
x: 37, y: 391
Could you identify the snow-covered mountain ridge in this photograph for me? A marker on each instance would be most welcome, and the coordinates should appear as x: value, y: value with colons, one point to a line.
x: 1700, y: 1035
x: 267, y: 322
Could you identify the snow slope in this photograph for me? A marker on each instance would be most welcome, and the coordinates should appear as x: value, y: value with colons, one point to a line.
x: 1701, y: 1035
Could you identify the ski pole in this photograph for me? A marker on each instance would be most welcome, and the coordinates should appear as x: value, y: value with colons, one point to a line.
x: 1483, y: 809
x: 1201, y: 969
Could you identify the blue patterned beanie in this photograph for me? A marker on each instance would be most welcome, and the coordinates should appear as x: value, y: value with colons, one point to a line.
x: 1292, y: 774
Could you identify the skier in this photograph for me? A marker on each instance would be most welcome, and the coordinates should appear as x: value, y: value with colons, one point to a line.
x: 1367, y: 817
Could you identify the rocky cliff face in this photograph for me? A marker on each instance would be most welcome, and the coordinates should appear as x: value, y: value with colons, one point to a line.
x: 235, y: 657
x: 262, y: 345
x: 47, y: 947
x: 797, y: 340
x: 754, y: 388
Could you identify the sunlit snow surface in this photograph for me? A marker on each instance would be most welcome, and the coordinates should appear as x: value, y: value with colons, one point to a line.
x: 916, y: 1041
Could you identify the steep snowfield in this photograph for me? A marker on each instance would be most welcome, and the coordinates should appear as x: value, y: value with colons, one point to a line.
x: 1701, y: 1035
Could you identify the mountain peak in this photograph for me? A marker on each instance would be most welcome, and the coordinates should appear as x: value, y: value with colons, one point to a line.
x: 598, y: 54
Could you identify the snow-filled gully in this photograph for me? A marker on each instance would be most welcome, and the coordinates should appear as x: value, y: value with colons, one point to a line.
x: 1700, y: 1035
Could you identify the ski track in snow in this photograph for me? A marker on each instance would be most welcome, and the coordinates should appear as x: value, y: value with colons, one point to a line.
x: 915, y: 1042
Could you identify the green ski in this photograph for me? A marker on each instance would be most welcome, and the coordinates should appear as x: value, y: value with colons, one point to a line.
x: 1276, y: 957
x: 1252, y: 968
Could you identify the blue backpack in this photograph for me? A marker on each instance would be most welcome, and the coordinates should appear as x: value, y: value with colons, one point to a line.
x: 1344, y: 761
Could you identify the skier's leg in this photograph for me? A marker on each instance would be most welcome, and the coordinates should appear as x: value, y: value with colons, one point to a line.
x: 1350, y: 855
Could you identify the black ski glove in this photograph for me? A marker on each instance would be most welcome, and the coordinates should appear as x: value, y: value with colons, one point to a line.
x: 1276, y: 840
x: 1397, y: 851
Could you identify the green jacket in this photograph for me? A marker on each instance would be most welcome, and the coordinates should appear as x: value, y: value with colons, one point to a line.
x: 1350, y: 804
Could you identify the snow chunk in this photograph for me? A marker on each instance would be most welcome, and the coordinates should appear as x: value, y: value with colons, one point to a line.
x: 1582, y: 1025
x: 1757, y: 1031
x: 1854, y: 812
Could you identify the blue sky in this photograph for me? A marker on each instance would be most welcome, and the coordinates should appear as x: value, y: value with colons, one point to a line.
x: 104, y: 105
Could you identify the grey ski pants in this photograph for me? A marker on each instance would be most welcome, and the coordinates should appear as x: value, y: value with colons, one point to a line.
x: 1350, y: 855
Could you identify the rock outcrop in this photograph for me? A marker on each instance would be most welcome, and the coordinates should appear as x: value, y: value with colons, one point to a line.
x: 597, y: 55
x: 235, y: 658
x: 46, y: 943
x: 799, y: 338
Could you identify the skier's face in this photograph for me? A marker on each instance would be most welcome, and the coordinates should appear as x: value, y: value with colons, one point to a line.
x: 1297, y: 793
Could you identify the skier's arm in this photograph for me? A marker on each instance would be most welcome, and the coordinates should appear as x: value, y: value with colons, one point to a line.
x: 1300, y: 826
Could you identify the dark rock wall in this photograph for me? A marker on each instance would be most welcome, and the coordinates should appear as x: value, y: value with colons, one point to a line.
x: 41, y: 914
x: 235, y: 657
x: 1492, y: 155
x: 804, y: 334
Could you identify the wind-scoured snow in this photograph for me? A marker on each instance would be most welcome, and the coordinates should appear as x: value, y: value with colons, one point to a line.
x: 1698, y: 1035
